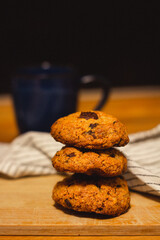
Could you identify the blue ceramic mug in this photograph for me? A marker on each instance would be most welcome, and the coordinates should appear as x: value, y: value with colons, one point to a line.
x: 43, y: 94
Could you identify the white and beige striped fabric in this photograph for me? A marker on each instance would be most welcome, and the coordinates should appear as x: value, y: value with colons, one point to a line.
x: 31, y: 153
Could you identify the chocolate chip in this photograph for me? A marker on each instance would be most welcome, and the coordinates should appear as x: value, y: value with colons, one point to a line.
x: 93, y: 125
x: 71, y: 155
x: 88, y: 115
x: 100, y: 209
x: 68, y: 203
x: 118, y: 186
x: 92, y: 134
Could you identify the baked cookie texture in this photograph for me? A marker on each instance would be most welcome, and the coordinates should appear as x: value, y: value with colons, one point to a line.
x: 90, y: 138
x: 107, y: 163
x: 109, y: 196
x: 91, y: 130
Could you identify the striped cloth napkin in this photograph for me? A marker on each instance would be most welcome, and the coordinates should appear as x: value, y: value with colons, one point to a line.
x: 31, y: 153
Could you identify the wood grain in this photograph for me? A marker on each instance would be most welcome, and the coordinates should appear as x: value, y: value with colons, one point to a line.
x: 27, y: 209
x: 80, y: 237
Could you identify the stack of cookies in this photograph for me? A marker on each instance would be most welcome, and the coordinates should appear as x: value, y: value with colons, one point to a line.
x: 96, y: 185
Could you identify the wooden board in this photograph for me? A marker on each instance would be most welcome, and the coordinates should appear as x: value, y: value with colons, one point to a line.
x: 26, y: 208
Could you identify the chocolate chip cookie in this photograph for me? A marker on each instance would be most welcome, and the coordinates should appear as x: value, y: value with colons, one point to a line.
x: 84, y: 193
x: 107, y: 163
x: 91, y: 130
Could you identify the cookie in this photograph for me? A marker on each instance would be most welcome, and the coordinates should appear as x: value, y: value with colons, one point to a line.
x: 92, y: 130
x: 84, y: 193
x: 107, y: 163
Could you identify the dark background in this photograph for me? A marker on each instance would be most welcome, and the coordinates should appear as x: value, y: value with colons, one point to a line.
x: 117, y: 39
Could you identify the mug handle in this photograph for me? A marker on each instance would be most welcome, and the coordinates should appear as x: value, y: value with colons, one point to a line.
x: 97, y: 81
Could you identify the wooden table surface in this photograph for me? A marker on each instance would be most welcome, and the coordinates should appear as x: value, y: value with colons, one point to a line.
x: 138, y: 108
